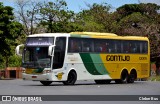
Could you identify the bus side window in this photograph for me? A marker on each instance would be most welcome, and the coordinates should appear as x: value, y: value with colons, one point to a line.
x: 74, y: 45
x: 118, y: 46
x: 100, y: 45
x: 126, y: 47
x: 110, y: 46
x: 132, y: 47
x: 87, y: 45
x: 143, y: 47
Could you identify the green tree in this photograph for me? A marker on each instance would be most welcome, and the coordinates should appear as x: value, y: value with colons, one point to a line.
x: 55, y: 17
x: 14, y: 61
x: 140, y: 20
x: 10, y: 30
x: 96, y: 18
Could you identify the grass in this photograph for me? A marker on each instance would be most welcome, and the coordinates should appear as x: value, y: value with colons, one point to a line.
x: 154, y: 78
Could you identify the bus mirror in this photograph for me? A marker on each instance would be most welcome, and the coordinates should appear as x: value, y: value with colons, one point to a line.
x: 51, y: 50
x: 18, y: 50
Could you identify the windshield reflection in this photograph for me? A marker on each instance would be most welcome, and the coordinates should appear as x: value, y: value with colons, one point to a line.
x: 36, y: 57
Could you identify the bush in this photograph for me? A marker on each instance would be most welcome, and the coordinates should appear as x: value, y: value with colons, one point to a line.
x: 15, y: 61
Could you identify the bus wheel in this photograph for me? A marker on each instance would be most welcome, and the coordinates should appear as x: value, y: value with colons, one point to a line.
x: 132, y: 77
x: 102, y: 81
x: 124, y: 77
x: 72, y: 77
x: 46, y: 83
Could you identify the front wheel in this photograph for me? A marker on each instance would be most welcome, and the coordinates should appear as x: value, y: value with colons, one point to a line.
x: 72, y: 77
x: 46, y: 83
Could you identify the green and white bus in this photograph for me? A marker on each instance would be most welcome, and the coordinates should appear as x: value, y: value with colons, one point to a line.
x: 68, y: 57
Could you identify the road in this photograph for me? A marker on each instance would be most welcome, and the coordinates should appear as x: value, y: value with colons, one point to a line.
x: 20, y: 87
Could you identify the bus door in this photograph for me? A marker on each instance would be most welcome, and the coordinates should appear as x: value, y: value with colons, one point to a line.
x: 59, y: 52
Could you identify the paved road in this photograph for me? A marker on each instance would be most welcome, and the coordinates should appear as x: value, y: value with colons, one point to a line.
x: 20, y: 87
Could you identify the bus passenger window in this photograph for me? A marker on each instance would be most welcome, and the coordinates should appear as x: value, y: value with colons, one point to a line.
x: 118, y: 46
x: 74, y: 45
x: 87, y: 45
x: 126, y: 47
x: 143, y: 47
x: 111, y: 46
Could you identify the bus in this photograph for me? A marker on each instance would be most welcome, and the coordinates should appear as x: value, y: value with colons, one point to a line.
x: 68, y: 57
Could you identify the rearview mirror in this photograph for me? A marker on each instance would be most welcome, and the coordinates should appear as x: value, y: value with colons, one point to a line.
x: 18, y: 50
x: 51, y: 50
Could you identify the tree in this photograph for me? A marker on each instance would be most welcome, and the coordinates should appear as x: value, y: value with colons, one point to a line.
x: 28, y: 15
x: 56, y: 17
x: 96, y: 18
x: 10, y: 30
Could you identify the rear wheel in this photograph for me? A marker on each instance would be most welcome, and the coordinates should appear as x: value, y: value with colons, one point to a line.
x: 46, y: 83
x: 132, y: 76
x: 124, y: 77
x: 102, y: 81
x: 72, y: 77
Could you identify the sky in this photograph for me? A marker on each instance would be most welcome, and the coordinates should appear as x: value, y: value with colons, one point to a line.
x: 78, y: 5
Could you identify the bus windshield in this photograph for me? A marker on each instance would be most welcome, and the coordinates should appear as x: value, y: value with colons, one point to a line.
x: 36, y: 57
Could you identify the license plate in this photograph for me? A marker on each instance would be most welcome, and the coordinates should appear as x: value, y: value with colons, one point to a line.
x: 29, y: 71
x: 34, y: 76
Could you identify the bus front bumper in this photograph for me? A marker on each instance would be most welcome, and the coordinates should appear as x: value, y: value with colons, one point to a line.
x: 41, y: 77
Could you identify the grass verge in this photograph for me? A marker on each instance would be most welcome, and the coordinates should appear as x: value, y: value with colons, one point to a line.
x: 154, y: 78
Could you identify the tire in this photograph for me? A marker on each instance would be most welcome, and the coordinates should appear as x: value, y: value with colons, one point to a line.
x: 131, y: 78
x: 102, y: 81
x: 72, y: 77
x: 124, y: 77
x: 46, y: 83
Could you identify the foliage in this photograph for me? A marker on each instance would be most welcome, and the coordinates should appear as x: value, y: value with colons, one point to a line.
x: 9, y: 32
x: 56, y: 17
x: 37, y: 17
x: 95, y: 18
x: 28, y: 14
x: 140, y: 20
x: 15, y: 61
x: 154, y: 78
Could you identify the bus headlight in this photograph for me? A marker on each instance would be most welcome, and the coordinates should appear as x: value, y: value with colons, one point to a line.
x: 47, y: 71
x: 23, y: 70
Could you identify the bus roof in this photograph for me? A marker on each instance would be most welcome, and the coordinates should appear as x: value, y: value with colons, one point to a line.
x: 92, y: 34
x: 106, y: 36
x: 50, y: 35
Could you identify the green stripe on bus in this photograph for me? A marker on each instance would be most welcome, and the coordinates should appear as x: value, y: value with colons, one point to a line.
x: 98, y: 63
x: 94, y: 64
x: 88, y: 63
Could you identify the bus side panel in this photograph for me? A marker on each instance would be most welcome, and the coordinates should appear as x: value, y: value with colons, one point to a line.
x: 88, y: 66
x: 115, y: 63
x: 97, y: 66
